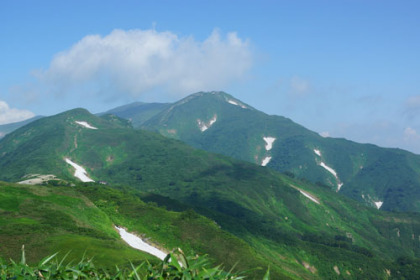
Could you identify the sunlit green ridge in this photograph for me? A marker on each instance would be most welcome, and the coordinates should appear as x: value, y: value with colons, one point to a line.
x: 179, y: 196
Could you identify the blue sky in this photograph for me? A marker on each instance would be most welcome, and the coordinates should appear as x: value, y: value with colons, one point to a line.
x: 341, y: 68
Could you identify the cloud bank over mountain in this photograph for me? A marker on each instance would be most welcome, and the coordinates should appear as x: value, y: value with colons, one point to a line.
x: 134, y: 62
x: 10, y: 115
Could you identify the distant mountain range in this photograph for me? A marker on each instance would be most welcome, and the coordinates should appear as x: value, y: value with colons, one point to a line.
x: 181, y: 196
x: 7, y: 128
x: 138, y: 112
x: 388, y: 179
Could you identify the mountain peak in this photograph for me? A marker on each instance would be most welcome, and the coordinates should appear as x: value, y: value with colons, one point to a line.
x: 77, y: 112
x: 209, y: 96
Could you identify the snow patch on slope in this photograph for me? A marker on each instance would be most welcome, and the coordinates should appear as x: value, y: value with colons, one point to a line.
x: 309, y: 196
x: 370, y: 200
x: 265, y: 161
x: 318, y: 152
x: 137, y: 243
x: 329, y: 169
x: 203, y: 126
x: 80, y: 171
x: 85, y: 124
x: 269, y: 142
x: 37, y: 179
x: 333, y: 172
x: 236, y: 103
x: 268, y: 146
x: 378, y: 204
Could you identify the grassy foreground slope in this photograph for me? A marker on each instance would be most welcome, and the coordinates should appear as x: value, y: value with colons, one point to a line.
x: 264, y: 211
x: 80, y: 220
x: 49, y: 219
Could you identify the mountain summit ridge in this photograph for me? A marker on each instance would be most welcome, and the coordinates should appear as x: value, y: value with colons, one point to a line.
x: 218, y: 122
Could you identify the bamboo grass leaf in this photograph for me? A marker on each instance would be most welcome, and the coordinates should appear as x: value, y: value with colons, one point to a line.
x: 267, y: 275
x: 137, y: 277
x: 47, y: 259
x: 23, y: 259
x: 62, y: 260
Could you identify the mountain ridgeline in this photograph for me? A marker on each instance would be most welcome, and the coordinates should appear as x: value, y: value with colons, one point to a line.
x: 383, y: 178
x: 7, y: 128
x: 184, y: 197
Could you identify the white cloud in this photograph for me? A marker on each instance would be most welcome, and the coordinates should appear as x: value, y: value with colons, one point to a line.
x: 411, y: 136
x: 412, y: 106
x: 411, y: 139
x: 10, y: 115
x: 410, y: 132
x: 299, y: 86
x: 136, y: 61
x: 413, y: 102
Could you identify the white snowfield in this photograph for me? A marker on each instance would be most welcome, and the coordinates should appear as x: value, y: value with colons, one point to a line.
x: 204, y: 126
x: 136, y: 242
x: 329, y: 169
x: 265, y: 161
x: 37, y: 179
x: 80, y: 171
x: 369, y: 199
x: 379, y: 204
x: 333, y: 172
x: 85, y: 124
x: 311, y: 197
x: 236, y: 104
x: 269, y: 142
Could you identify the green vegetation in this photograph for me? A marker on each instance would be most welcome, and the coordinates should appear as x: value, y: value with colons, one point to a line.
x: 80, y: 220
x: 48, y: 219
x: 181, y: 197
x: 369, y: 173
x: 174, y: 266
x: 77, y: 212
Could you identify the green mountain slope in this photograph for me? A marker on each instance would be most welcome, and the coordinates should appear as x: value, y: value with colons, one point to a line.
x: 41, y: 141
x: 269, y: 213
x: 217, y: 122
x: 49, y: 219
x: 80, y: 220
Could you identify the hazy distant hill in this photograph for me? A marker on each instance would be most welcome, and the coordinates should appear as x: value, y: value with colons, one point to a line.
x: 138, y: 112
x: 7, y: 128
x: 300, y: 230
